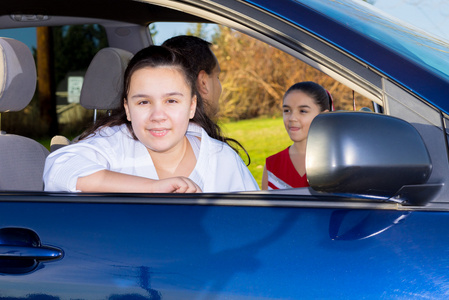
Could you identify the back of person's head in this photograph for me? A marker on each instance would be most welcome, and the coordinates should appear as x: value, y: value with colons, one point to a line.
x: 197, y: 51
x: 315, y: 91
x: 200, y: 57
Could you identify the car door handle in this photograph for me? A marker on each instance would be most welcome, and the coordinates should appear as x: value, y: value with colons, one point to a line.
x: 20, y: 252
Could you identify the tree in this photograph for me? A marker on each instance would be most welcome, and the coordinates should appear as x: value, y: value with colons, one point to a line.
x: 69, y: 48
x: 45, y: 83
x: 256, y: 75
x: 199, y: 30
x: 75, y: 46
x: 153, y: 31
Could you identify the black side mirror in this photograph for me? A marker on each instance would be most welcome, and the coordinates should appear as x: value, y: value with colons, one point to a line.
x: 365, y: 153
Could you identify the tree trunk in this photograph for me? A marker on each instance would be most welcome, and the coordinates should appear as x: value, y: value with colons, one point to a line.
x: 46, y: 85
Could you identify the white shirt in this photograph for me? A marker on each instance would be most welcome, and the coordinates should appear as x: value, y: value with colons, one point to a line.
x: 218, y: 168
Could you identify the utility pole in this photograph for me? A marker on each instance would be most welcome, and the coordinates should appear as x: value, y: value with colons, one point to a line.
x: 45, y: 82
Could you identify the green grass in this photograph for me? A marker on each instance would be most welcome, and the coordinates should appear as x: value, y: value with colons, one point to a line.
x: 261, y: 138
x: 45, y: 142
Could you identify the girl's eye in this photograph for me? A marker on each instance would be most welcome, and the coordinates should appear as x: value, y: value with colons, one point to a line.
x: 142, y: 102
x: 172, y: 101
x: 286, y: 110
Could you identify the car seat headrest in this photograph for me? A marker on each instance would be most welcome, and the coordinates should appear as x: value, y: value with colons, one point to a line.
x: 17, y: 75
x: 103, y: 81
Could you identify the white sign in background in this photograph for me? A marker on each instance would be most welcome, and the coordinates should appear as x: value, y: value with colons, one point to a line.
x: 74, y: 85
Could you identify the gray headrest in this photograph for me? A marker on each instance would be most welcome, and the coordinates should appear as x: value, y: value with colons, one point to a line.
x: 103, y: 81
x: 17, y: 75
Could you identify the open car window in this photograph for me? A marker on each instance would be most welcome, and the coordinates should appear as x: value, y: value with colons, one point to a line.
x: 242, y: 76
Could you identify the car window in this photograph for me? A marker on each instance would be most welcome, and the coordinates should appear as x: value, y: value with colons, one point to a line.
x: 242, y: 77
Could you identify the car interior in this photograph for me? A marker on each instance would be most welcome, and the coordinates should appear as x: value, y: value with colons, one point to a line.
x: 101, y: 86
x: 22, y: 159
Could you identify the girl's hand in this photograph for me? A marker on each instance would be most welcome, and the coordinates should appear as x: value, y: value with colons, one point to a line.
x: 176, y: 185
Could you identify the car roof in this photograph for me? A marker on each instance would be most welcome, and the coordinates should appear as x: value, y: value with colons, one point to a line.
x: 128, y: 11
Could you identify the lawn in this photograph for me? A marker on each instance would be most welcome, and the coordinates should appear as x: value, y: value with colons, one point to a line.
x: 261, y: 138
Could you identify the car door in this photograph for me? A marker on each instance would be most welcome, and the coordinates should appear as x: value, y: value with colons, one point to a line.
x: 168, y: 248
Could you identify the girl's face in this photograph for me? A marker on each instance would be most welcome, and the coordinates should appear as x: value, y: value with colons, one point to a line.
x: 159, y: 107
x: 299, y: 111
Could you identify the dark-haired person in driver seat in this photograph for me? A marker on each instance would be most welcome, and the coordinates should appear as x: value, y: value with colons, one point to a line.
x: 204, y: 65
x: 205, y: 68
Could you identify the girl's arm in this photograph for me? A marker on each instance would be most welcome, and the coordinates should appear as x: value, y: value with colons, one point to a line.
x: 109, y: 181
x: 86, y: 167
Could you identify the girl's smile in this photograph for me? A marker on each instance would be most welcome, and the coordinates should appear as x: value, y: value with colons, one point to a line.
x: 158, y: 132
x: 293, y: 128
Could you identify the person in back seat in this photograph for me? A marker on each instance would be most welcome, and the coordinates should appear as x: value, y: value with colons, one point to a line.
x: 302, y: 102
x: 204, y: 66
x: 158, y: 140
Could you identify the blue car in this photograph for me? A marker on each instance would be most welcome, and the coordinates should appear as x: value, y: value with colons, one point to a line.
x: 374, y: 223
